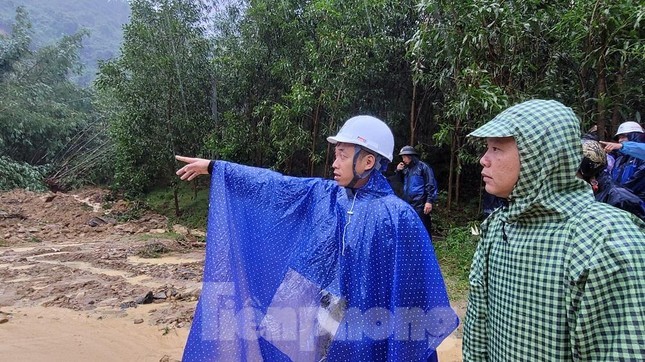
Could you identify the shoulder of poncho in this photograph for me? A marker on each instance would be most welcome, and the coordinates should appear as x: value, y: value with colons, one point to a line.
x: 603, y: 230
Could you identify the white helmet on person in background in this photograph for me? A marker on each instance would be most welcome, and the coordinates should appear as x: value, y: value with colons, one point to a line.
x: 368, y: 132
x: 629, y: 127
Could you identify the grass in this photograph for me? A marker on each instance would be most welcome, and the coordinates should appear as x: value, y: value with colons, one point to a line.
x: 167, y: 235
x: 193, y: 204
x: 155, y: 250
x: 455, y: 253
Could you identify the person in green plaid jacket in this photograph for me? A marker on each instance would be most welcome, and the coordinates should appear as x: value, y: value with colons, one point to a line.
x: 557, y: 276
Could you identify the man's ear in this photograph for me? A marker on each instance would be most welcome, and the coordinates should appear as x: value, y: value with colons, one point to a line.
x: 370, y: 161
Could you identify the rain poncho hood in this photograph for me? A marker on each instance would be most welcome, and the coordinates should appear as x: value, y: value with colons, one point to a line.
x: 301, y: 269
x: 548, y: 138
x: 556, y: 275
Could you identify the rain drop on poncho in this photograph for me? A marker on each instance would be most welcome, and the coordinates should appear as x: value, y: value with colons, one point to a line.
x: 300, y: 269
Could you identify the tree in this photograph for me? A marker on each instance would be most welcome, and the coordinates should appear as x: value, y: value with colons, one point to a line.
x: 290, y: 72
x: 480, y: 56
x: 41, y: 111
x: 163, y: 81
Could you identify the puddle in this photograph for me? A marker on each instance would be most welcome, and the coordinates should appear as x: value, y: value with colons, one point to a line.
x: 163, y: 260
x: 144, y: 280
x: 23, y: 249
x: 22, y: 267
x: 20, y: 280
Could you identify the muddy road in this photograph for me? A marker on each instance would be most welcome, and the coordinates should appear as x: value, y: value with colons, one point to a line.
x: 79, y: 281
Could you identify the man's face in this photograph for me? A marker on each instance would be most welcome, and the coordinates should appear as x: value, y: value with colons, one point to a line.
x: 343, y: 164
x: 406, y: 159
x: 501, y: 164
x: 622, y: 138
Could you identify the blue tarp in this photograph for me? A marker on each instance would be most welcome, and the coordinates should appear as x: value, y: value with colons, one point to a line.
x: 301, y: 269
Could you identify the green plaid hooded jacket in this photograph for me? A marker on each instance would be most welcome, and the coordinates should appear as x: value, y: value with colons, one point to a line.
x: 556, y: 276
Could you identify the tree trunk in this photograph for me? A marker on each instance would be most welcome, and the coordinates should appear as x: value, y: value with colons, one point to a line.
x: 615, y: 117
x: 601, y: 94
x: 214, y: 100
x: 169, y: 112
x: 314, y: 135
x: 458, y: 170
x: 451, y: 170
x: 413, y: 119
x: 175, y: 193
x: 327, y: 167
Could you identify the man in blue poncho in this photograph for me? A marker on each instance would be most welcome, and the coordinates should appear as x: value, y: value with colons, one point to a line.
x: 305, y: 269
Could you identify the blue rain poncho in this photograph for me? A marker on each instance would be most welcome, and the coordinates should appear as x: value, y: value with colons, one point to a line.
x: 302, y: 269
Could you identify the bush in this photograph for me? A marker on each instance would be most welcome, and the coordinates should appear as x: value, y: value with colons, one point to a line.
x: 21, y: 175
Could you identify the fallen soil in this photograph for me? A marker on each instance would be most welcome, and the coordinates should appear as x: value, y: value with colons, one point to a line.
x: 79, y: 280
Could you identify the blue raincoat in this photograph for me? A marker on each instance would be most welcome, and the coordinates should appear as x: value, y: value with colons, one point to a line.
x: 628, y: 171
x: 301, y: 269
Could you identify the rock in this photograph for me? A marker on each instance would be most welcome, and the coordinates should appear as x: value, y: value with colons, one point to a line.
x: 157, y: 231
x: 160, y: 295
x: 198, y: 233
x: 146, y: 299
x: 138, y: 321
x: 130, y: 304
x: 179, y: 229
x: 50, y: 197
x: 96, y: 221
x: 3, y: 320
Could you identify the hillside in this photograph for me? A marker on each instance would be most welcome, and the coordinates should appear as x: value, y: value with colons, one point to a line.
x: 52, y: 19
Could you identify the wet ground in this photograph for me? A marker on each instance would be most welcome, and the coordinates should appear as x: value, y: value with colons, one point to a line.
x: 79, y: 281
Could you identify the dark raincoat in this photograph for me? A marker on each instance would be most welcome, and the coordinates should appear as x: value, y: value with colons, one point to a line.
x: 419, y: 184
x: 620, y: 197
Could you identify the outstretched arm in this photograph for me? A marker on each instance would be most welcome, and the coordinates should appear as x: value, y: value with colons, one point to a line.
x: 629, y: 148
x: 193, y: 168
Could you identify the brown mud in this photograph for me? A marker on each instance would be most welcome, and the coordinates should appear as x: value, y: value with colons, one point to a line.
x: 79, y: 281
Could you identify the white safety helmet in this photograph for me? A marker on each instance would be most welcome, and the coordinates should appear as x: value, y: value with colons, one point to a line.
x: 629, y: 127
x: 368, y: 132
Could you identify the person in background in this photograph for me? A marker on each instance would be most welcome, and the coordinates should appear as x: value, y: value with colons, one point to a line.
x: 593, y: 170
x: 629, y: 171
x: 419, y: 184
x: 557, y: 275
x: 629, y: 148
x: 307, y: 269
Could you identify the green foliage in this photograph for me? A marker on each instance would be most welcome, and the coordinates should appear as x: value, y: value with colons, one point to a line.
x: 163, y: 85
x: 47, y: 120
x: 102, y: 19
x: 14, y: 174
x: 455, y: 253
x: 481, y: 56
x: 289, y: 73
x: 192, y: 201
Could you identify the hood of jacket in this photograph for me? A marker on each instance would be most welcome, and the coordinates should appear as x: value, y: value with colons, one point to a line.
x: 548, y: 138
